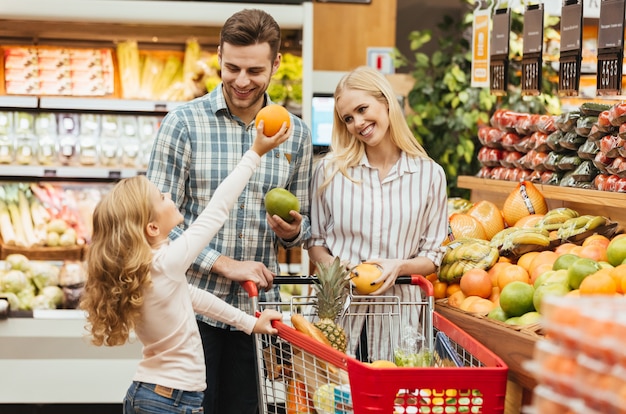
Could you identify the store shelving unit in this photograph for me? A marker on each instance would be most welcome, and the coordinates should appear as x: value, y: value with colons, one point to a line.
x: 47, y: 358
x: 584, y: 201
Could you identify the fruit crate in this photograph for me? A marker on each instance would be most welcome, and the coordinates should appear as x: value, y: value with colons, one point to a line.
x: 74, y: 252
x: 298, y: 372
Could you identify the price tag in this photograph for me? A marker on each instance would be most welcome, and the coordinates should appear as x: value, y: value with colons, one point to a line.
x: 480, y: 48
x: 499, y: 63
x: 610, y: 47
x: 570, y: 58
x: 115, y: 174
x: 532, y: 59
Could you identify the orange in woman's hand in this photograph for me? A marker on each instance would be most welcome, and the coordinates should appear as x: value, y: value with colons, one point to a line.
x: 273, y: 117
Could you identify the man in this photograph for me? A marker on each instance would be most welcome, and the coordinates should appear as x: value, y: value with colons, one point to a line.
x: 197, y: 145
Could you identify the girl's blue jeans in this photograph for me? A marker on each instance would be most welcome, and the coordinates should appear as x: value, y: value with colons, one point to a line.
x: 144, y: 398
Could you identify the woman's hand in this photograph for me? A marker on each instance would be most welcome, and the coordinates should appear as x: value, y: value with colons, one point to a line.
x: 391, y: 269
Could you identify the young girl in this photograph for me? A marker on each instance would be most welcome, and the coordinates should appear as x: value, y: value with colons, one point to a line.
x: 136, y: 282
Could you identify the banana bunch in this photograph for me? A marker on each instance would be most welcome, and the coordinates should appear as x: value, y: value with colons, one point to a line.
x: 554, y: 219
x: 458, y: 205
x: 525, y: 237
x: 581, y: 224
x: 465, y: 254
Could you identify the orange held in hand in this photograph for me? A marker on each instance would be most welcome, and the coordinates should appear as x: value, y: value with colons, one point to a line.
x: 273, y: 117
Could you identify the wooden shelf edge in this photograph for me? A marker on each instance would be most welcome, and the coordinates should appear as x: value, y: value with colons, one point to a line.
x: 580, y: 195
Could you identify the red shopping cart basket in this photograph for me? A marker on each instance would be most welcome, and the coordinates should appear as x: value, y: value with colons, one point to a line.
x: 298, y: 374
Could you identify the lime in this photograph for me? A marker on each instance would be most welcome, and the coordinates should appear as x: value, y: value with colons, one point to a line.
x: 616, y: 251
x: 564, y: 261
x: 279, y: 201
x: 529, y: 318
x: 517, y: 298
x: 579, y: 270
x: 498, y: 314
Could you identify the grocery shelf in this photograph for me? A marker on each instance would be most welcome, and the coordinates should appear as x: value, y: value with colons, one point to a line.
x: 553, y: 192
x: 67, y: 172
x: 18, y: 102
x: 104, y: 104
x: 144, y: 12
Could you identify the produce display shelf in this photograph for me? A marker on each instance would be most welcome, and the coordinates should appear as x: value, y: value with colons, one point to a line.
x: 30, y: 102
x: 67, y: 172
x: 553, y: 192
x: 105, y: 104
x: 511, y: 343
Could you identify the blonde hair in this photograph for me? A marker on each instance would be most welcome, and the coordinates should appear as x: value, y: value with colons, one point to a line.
x: 346, y: 149
x: 118, y: 262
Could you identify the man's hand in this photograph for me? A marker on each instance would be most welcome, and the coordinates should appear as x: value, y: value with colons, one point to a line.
x: 241, y: 271
x: 284, y: 230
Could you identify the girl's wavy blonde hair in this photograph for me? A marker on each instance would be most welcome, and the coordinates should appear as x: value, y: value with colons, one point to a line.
x: 346, y: 149
x: 118, y: 262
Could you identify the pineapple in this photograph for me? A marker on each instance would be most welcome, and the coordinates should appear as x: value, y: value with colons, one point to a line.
x: 331, y: 291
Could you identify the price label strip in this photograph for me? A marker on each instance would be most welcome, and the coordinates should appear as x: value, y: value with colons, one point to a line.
x: 532, y: 60
x: 570, y: 58
x: 499, y: 62
x: 610, y: 47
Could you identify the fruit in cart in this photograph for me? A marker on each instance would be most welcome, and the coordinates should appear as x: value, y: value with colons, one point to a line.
x: 423, y: 358
x: 300, y: 323
x: 331, y: 292
x: 273, y: 117
x: 382, y: 363
x: 324, y: 399
x: 363, y: 276
x: 296, y: 397
x: 516, y: 298
x: 579, y: 270
x: 279, y: 201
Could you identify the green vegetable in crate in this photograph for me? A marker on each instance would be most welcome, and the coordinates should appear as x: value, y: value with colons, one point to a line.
x: 465, y: 254
x: 331, y: 292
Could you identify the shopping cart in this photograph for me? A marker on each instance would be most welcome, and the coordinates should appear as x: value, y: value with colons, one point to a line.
x: 297, y: 374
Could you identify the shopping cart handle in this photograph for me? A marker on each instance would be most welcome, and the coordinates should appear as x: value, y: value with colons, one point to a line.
x: 250, y: 287
x: 419, y: 280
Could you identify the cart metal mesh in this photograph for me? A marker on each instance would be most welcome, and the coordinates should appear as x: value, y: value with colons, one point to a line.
x: 298, y: 374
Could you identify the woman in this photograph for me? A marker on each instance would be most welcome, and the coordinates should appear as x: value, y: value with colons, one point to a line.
x: 377, y: 197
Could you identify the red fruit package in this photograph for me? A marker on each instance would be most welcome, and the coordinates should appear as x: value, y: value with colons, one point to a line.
x: 610, y: 144
x: 601, y: 161
x: 604, y: 122
x: 599, y: 183
x: 545, y: 124
x: 510, y: 159
x: 617, y: 114
x: 620, y: 185
x: 509, y: 141
x: 541, y: 141
x: 484, y: 172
